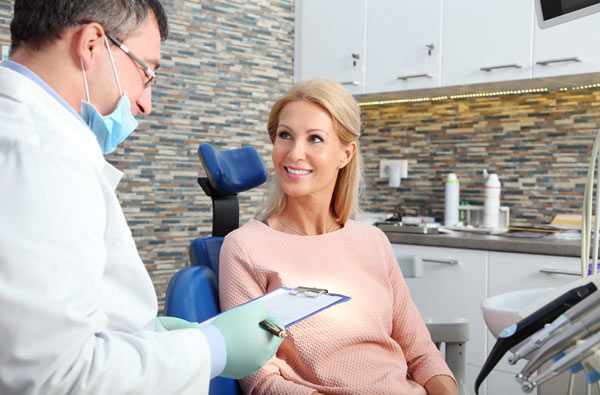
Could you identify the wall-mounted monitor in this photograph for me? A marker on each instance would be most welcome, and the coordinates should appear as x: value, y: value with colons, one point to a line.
x: 555, y: 12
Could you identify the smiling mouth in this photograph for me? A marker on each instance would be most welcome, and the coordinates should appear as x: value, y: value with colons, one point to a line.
x: 297, y: 172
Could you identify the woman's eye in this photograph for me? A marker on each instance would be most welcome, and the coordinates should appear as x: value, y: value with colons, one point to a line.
x: 315, y: 139
x: 283, y: 135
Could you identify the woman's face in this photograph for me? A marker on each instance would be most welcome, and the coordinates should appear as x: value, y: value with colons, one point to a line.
x: 307, y: 152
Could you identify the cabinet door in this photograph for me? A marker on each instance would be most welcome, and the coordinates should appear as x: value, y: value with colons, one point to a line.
x: 561, y: 45
x: 447, y: 291
x: 403, y: 40
x: 492, y: 35
x: 513, y: 272
x: 330, y: 41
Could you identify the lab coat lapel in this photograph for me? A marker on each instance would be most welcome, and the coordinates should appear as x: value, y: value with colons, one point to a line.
x: 27, y: 91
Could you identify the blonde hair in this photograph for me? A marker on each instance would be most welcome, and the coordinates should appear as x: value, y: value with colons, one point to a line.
x: 345, y: 115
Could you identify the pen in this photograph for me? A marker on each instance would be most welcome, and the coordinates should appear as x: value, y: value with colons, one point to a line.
x: 274, y: 329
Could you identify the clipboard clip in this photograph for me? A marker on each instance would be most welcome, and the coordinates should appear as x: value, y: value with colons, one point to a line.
x: 309, y: 292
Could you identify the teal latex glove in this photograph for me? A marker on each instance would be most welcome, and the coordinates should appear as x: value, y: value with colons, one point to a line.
x: 248, y: 345
x: 164, y: 324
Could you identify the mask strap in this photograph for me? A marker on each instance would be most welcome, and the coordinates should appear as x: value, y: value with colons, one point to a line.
x: 113, y: 65
x: 87, y: 92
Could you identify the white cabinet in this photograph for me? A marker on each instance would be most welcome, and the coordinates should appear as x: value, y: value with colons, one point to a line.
x: 486, y: 41
x: 331, y: 42
x: 368, y: 44
x: 456, y: 290
x: 447, y: 291
x: 403, y: 45
x: 557, y: 48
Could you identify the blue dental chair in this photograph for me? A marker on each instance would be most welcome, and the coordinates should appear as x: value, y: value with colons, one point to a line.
x: 192, y: 293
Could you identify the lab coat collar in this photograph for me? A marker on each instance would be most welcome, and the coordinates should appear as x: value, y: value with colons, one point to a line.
x: 23, y: 89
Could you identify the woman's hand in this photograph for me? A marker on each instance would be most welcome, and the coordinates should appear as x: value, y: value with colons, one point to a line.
x: 441, y: 385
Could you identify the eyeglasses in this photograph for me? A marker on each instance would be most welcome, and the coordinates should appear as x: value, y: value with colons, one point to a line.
x: 149, y: 73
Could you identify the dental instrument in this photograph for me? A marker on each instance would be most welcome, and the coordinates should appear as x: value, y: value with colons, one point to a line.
x: 568, y: 317
x: 516, y: 333
x: 579, y: 354
x: 588, y: 325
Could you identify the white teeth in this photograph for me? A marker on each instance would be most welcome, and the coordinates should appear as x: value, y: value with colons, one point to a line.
x: 298, y: 172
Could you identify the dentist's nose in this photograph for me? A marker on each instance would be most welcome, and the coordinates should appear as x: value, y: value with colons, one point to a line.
x: 144, y: 102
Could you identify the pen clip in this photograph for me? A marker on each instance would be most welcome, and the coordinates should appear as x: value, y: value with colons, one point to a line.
x: 309, y: 292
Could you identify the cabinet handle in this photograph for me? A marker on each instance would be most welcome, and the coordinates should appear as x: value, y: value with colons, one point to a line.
x: 446, y: 261
x: 553, y: 270
x: 349, y: 83
x: 504, y: 66
x: 547, y: 62
x: 406, y: 77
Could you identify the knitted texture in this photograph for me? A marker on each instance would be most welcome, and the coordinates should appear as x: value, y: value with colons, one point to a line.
x: 375, y: 343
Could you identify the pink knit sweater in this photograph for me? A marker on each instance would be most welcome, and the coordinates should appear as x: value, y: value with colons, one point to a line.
x: 376, y: 343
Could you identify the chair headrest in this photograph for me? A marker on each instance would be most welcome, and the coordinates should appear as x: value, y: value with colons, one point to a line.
x: 233, y: 171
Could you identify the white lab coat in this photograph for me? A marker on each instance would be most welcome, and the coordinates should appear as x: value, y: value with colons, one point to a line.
x: 77, y: 306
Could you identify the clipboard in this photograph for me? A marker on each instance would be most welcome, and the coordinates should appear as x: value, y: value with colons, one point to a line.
x: 292, y: 305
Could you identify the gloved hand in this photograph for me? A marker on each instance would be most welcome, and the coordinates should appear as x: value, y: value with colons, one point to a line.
x: 248, y: 345
x: 164, y: 324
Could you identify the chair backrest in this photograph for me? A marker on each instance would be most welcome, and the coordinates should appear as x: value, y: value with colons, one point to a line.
x: 192, y: 293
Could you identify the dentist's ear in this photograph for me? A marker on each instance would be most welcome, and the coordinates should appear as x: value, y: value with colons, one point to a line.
x: 89, y: 43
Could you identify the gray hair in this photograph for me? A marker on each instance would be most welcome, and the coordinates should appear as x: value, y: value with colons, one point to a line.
x: 39, y: 22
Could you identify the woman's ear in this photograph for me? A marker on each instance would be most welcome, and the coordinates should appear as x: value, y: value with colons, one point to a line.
x: 347, y: 154
x: 89, y: 43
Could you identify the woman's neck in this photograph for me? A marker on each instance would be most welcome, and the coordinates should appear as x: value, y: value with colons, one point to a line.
x: 300, y: 220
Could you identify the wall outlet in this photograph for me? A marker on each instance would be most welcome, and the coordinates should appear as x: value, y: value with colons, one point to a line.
x: 384, y: 168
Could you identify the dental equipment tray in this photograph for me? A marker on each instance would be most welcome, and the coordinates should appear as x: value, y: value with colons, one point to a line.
x: 399, y: 227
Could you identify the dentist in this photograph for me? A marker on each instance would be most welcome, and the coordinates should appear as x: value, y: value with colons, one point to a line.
x: 77, y: 307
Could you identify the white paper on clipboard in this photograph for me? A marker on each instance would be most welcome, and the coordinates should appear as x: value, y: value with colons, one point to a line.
x: 289, y: 307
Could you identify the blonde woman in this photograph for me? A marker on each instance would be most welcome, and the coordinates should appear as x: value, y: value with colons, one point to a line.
x: 376, y: 343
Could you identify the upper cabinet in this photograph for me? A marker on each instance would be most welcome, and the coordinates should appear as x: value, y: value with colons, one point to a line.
x: 376, y: 46
x: 331, y: 41
x: 570, y: 48
x: 486, y: 41
x: 404, y: 45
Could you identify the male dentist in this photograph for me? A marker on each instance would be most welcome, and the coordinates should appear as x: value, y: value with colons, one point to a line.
x: 77, y: 307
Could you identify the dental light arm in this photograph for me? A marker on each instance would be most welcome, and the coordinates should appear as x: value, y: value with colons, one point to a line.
x: 568, y: 317
x: 514, y: 334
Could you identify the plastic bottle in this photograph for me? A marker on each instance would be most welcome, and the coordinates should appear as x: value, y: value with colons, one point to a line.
x: 491, y: 205
x: 452, y: 191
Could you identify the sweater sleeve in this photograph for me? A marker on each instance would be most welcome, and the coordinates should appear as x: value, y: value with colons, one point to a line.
x: 239, y: 283
x: 422, y: 356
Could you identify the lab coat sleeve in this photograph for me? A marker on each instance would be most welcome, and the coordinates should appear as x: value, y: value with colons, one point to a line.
x: 239, y: 283
x: 423, y: 358
x: 52, y: 325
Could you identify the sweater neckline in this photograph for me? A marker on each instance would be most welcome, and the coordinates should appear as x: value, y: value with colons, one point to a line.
x: 329, y: 234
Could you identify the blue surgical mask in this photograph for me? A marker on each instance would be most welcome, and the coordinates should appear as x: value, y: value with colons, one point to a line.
x: 112, y: 129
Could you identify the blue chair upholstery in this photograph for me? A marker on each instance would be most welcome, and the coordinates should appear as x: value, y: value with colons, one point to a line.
x: 233, y: 171
x: 205, y: 251
x: 192, y: 293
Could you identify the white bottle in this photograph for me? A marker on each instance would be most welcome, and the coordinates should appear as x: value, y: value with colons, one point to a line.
x: 491, y: 205
x: 452, y: 191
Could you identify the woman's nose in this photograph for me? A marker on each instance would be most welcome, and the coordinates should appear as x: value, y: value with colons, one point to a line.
x: 297, y: 151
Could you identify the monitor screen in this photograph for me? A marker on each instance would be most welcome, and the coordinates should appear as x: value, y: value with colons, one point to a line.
x: 554, y: 12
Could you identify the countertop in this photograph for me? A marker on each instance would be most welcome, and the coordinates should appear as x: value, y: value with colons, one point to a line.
x: 547, y: 245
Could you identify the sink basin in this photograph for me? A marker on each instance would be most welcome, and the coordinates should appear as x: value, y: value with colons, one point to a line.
x: 502, y: 310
